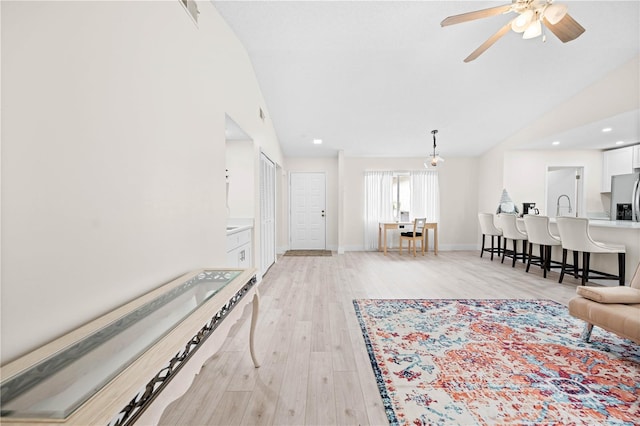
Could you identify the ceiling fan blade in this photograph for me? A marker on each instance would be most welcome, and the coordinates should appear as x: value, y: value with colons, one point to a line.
x: 487, y: 44
x: 478, y: 14
x: 566, y: 29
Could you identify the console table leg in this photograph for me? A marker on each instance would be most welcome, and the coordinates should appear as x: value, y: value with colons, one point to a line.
x: 254, y: 320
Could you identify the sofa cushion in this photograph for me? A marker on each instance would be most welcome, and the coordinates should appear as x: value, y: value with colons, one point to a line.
x: 625, y: 295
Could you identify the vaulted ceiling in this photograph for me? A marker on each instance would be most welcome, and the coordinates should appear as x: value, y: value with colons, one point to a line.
x: 373, y: 78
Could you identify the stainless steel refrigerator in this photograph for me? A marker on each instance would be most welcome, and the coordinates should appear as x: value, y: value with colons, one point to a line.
x: 625, y: 197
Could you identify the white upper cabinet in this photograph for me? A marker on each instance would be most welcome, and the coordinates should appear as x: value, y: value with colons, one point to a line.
x: 636, y: 156
x: 616, y: 162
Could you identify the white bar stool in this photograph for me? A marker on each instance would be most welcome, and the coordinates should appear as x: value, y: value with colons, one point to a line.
x: 510, y: 231
x: 574, y: 233
x: 487, y: 227
x: 538, y: 233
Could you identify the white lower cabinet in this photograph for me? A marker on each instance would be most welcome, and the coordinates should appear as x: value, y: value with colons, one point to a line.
x: 239, y: 249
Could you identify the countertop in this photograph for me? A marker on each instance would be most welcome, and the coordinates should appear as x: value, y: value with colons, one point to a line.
x: 239, y: 228
x: 619, y: 224
x: 238, y: 225
x: 622, y: 224
x: 602, y: 223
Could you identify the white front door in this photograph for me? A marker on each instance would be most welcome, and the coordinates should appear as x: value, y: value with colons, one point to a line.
x: 308, y: 214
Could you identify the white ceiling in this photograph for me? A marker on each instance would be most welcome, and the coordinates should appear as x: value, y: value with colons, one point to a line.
x: 374, y: 78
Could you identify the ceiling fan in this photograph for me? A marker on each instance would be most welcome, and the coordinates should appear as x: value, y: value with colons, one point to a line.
x: 533, y: 16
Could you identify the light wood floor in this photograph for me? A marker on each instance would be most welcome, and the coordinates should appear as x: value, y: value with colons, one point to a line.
x: 315, y: 368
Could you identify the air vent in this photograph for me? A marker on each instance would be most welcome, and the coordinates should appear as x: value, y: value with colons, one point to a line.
x: 192, y: 9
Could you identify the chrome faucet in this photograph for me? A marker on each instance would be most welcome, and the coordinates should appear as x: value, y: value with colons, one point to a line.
x: 558, y: 204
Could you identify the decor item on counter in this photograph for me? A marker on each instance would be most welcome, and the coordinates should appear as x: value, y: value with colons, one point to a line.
x: 533, y: 17
x: 435, y: 157
x: 496, y: 362
x: 529, y: 208
x: 506, y: 205
x: 308, y: 253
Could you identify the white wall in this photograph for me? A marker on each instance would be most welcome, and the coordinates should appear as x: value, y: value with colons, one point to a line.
x: 112, y: 155
x: 524, y: 176
x: 615, y: 93
x: 242, y: 193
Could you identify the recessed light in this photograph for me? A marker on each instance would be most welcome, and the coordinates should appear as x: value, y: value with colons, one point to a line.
x: 317, y: 141
x: 555, y: 143
x: 607, y: 129
x: 620, y: 143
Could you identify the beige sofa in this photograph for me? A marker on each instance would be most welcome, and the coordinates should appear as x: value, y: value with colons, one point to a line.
x: 616, y: 309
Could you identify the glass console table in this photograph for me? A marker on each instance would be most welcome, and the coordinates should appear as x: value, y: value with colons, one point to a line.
x: 57, y: 386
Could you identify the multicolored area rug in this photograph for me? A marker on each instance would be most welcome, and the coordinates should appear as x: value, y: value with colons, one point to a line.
x: 497, y: 362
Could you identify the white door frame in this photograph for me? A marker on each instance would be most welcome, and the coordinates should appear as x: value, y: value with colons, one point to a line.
x: 580, y: 204
x: 267, y: 213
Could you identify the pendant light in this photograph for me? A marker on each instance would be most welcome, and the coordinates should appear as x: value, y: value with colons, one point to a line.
x: 435, y: 158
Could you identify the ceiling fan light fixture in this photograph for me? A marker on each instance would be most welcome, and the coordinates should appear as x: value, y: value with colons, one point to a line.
x: 533, y: 30
x: 555, y: 12
x: 522, y: 22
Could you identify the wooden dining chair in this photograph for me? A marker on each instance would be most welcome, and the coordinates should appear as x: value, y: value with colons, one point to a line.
x: 417, y: 234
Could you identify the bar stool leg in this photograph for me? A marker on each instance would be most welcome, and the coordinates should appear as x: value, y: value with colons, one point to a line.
x: 575, y: 265
x: 547, y: 261
x: 621, y: 267
x: 504, y: 250
x: 492, y: 249
x: 529, y: 260
x: 515, y: 253
x: 482, y: 249
x: 542, y: 264
x: 564, y: 264
x: 585, y: 267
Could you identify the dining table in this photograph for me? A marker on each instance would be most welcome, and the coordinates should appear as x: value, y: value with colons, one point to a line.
x: 383, y: 227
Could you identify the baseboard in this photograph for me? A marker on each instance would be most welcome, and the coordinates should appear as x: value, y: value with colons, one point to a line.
x: 441, y: 247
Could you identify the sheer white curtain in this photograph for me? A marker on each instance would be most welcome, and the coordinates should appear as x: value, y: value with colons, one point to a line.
x: 378, y: 205
x: 425, y: 195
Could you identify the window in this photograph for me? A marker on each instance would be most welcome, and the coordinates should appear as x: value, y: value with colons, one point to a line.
x: 401, y: 195
x: 388, y: 194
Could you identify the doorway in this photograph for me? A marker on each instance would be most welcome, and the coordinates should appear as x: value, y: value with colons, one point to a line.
x: 565, y: 191
x: 307, y: 220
